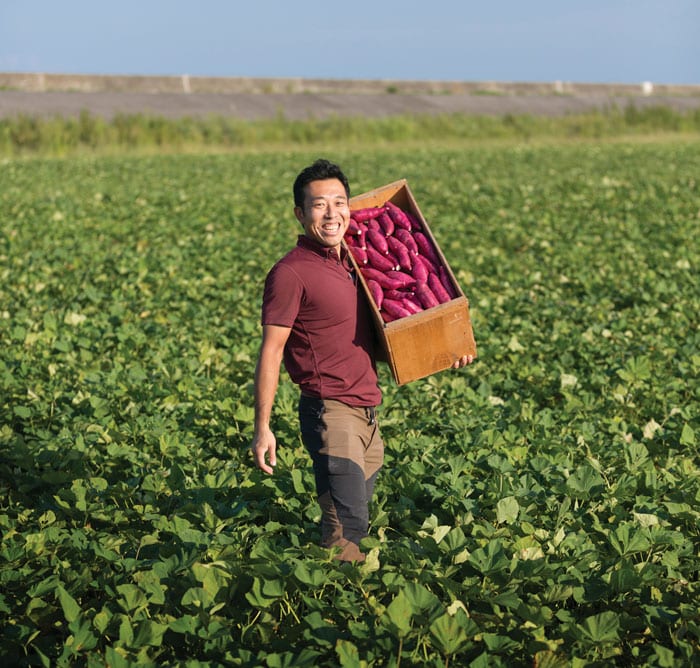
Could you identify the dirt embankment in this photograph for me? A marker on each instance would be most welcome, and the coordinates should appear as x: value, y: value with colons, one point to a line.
x: 39, y: 94
x: 252, y: 106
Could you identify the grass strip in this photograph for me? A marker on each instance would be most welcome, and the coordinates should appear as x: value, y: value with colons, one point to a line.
x: 26, y: 134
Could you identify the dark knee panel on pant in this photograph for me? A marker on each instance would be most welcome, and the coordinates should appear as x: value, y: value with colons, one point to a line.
x: 343, y: 499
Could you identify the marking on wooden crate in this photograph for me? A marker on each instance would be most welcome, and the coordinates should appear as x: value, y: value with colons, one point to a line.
x: 456, y: 317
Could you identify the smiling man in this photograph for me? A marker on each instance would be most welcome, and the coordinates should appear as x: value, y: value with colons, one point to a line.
x: 316, y: 320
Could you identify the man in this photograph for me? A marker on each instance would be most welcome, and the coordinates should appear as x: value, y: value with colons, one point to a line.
x: 315, y: 319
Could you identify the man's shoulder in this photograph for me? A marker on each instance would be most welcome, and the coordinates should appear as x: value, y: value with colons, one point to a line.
x: 295, y: 257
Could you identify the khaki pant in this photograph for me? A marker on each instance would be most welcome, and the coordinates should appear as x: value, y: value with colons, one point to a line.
x: 347, y: 452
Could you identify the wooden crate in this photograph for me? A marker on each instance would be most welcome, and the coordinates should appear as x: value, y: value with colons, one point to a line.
x: 422, y: 344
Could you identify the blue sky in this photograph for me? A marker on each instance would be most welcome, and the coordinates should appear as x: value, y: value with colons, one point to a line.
x: 625, y: 41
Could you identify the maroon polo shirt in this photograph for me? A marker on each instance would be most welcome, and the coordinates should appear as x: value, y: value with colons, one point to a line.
x: 329, y: 353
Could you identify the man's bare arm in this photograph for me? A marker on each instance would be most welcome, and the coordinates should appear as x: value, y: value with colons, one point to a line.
x: 267, y: 373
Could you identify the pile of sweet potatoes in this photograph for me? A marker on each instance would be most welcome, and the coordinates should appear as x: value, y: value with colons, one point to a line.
x: 402, y: 269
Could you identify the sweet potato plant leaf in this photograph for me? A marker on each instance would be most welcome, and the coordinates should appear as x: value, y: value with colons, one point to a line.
x: 550, y: 659
x: 651, y: 428
x: 636, y: 370
x: 452, y: 632
x: 212, y: 577
x: 348, y: 655
x: 292, y: 659
x: 101, y: 620
x: 114, y: 659
x: 149, y: 632
x: 629, y: 539
x: 298, y: 481
x: 187, y: 624
x: 399, y: 613
x: 454, y: 540
x: 683, y: 510
x: 309, y: 574
x: 600, y: 628
x: 70, y: 607
x: 126, y: 632
x: 625, y: 579
x: 321, y: 630
x: 508, y: 599
x: 687, y: 436
x: 24, y: 412
x: 636, y: 454
x: 498, y: 643
x: 420, y: 598
x: 585, y: 482
x: 4, y: 607
x: 665, y: 656
x: 199, y: 597
x: 132, y: 598
x: 83, y: 637
x: 489, y: 559
x: 507, y: 510
x: 42, y: 587
x: 646, y: 519
x: 372, y: 562
x: 264, y: 592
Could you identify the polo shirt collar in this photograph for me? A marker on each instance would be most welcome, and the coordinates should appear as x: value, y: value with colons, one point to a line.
x: 324, y: 251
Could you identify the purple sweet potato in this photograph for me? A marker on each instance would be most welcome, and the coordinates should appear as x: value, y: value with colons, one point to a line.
x: 362, y: 215
x: 447, y: 282
x: 420, y: 271
x: 386, y: 223
x: 406, y: 238
x: 373, y: 224
x: 426, y: 248
x: 376, y: 291
x: 378, y: 240
x: 395, y: 309
x: 426, y: 296
x: 429, y: 266
x: 411, y: 305
x: 353, y: 227
x: 378, y: 261
x: 405, y: 280
x: 438, y: 289
x: 360, y: 255
x: 362, y: 236
x: 382, y: 278
x: 398, y: 216
x: 397, y: 295
x: 416, y: 225
x: 400, y: 252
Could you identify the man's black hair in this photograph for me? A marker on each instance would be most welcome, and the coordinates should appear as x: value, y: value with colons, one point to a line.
x: 319, y: 170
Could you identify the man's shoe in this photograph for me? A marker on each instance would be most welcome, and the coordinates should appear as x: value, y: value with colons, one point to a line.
x: 350, y: 551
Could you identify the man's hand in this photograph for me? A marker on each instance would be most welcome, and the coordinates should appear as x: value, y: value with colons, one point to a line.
x: 264, y: 444
x: 463, y: 361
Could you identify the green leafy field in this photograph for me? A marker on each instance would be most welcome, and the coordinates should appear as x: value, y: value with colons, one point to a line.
x: 540, y: 507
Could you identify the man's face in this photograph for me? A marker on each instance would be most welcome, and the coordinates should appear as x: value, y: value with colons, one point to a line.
x: 326, y: 212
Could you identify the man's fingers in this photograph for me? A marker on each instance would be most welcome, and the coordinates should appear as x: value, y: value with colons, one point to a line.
x: 259, y: 457
x: 463, y: 361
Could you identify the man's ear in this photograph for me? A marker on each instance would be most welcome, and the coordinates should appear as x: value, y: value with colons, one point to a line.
x: 299, y: 213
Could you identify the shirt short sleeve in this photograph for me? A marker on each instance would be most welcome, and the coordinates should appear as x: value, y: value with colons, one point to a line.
x: 281, y: 297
